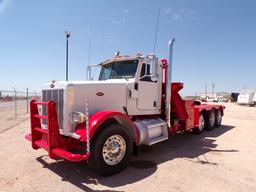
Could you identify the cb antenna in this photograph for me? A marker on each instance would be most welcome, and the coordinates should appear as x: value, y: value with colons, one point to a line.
x: 88, y: 69
x: 90, y: 46
x: 157, y: 24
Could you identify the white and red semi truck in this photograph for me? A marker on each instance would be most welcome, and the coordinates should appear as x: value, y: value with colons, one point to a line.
x: 134, y: 102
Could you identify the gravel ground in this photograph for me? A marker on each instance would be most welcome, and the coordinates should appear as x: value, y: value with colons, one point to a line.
x: 220, y: 160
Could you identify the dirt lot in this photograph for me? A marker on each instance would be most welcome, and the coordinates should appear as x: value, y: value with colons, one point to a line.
x: 220, y: 160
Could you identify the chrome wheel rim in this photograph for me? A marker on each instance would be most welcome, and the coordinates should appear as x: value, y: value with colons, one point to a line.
x: 114, y: 150
x: 201, y: 123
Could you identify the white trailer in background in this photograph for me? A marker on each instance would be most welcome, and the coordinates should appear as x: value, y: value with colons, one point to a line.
x: 254, y: 98
x: 246, y: 98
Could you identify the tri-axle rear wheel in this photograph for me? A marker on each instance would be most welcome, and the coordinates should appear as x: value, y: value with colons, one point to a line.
x: 111, y: 150
x: 201, y: 124
x: 218, y: 118
x: 210, y: 120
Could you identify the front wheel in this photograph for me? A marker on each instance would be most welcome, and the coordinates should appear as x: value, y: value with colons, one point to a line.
x: 111, y: 150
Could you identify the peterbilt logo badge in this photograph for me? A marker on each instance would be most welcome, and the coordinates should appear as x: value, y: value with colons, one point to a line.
x: 100, y: 94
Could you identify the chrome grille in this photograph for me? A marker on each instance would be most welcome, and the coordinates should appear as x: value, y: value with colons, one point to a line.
x: 57, y: 95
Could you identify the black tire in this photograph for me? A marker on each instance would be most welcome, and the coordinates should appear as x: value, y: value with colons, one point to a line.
x: 218, y: 118
x: 98, y: 162
x: 210, y: 120
x: 201, y: 124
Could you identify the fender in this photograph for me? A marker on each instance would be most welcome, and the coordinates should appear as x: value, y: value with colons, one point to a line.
x: 98, y: 118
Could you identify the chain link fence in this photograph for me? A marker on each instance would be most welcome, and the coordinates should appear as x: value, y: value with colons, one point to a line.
x: 14, y: 107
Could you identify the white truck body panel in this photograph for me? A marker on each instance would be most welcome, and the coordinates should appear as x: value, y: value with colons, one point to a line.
x: 146, y: 100
x: 254, y: 98
x: 245, y: 99
x: 114, y: 95
x: 146, y: 95
x: 77, y: 92
x: 114, y: 98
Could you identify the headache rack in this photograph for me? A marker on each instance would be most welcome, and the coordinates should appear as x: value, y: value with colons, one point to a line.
x: 50, y: 139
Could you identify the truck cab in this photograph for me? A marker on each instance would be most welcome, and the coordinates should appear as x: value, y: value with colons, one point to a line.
x: 142, y: 77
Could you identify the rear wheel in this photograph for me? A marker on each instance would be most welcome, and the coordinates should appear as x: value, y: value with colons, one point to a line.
x: 201, y: 125
x: 111, y: 150
x: 218, y: 118
x: 210, y: 120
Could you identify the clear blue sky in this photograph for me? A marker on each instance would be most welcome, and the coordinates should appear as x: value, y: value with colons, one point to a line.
x: 215, y: 39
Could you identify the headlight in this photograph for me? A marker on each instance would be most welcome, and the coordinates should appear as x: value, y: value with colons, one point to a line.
x: 77, y: 117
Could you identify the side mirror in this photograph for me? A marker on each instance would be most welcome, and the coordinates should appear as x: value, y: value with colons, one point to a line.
x: 88, y: 73
x: 89, y: 76
x: 153, y: 62
x: 154, y: 77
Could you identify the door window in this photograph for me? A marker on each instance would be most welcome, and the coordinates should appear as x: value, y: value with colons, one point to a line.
x: 145, y: 72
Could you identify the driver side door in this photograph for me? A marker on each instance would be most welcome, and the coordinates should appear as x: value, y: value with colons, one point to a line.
x: 148, y: 96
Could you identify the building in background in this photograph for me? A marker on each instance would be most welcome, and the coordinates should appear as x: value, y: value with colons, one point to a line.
x: 208, y: 95
x: 215, y: 97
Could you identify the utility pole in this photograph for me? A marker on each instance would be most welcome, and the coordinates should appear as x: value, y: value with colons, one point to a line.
x: 67, y: 37
x: 205, y: 90
x: 88, y: 69
x: 213, y: 86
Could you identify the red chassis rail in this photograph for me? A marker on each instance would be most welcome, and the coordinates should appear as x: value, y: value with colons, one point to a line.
x: 187, y: 111
x: 49, y: 139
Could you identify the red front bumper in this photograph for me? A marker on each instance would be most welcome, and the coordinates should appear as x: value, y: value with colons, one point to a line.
x: 50, y: 139
x: 58, y: 152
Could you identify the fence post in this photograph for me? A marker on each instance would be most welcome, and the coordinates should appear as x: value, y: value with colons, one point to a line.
x: 15, y: 102
x: 27, y: 99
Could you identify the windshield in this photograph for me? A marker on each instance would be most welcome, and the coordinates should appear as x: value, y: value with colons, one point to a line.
x: 119, y: 70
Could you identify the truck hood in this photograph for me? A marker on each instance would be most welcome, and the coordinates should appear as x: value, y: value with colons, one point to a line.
x: 101, y: 95
x: 64, y: 84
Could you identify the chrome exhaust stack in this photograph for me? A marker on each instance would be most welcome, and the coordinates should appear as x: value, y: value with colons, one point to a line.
x: 168, y: 84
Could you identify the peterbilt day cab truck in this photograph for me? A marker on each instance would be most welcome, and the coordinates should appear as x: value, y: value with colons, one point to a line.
x: 132, y: 103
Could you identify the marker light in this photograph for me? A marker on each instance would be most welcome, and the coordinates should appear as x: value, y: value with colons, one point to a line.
x: 77, y: 117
